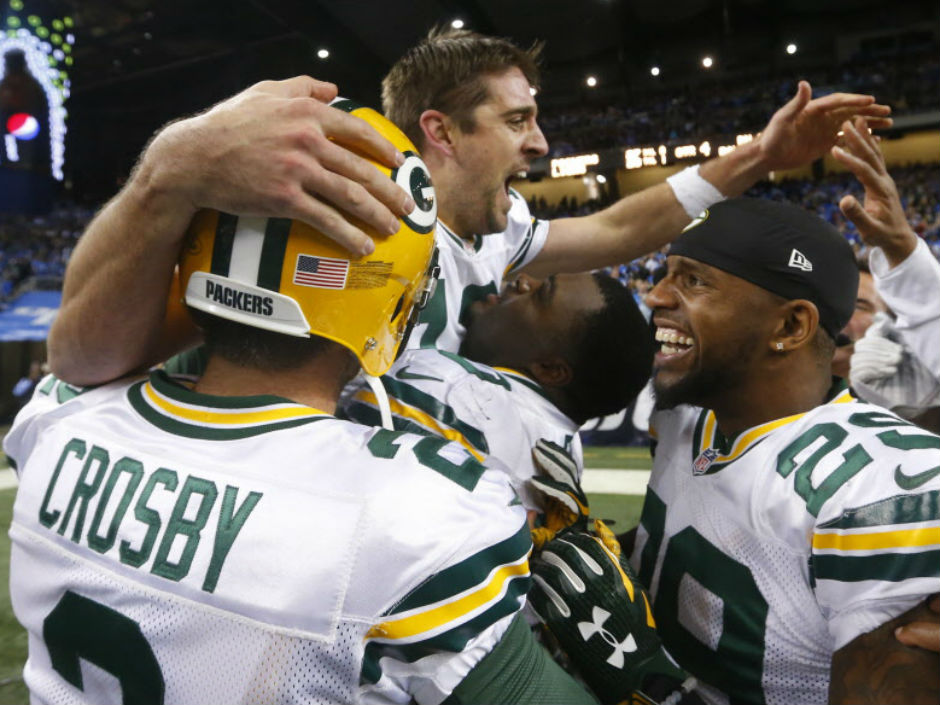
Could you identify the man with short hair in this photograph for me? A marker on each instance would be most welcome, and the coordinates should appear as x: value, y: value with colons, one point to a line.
x: 786, y: 524
x: 276, y: 149
x: 537, y: 362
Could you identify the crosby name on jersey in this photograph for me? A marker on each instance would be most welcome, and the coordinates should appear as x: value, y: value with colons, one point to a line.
x: 495, y: 412
x: 164, y: 552
x: 767, y: 552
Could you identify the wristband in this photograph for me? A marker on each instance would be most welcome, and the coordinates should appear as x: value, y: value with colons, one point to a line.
x: 694, y: 193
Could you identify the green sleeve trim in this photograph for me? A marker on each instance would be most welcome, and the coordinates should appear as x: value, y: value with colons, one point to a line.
x: 893, y: 567
x: 901, y: 509
x: 469, y: 573
x: 519, y: 671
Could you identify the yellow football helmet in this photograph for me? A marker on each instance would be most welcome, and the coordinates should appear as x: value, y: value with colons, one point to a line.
x: 286, y: 276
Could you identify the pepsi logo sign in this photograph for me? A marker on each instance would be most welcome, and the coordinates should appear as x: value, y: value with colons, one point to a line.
x: 23, y: 126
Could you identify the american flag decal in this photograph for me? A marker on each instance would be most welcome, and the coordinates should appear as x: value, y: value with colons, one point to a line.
x: 321, y: 272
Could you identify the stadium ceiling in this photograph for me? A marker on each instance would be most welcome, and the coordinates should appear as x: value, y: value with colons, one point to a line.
x: 124, y: 40
x: 140, y: 63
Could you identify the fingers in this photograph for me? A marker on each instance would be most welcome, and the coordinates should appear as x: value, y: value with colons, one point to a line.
x: 863, y: 170
x: 390, y: 200
x: 853, y: 210
x: 925, y: 635
x: 355, y: 132
x: 330, y: 222
x: 854, y: 101
x: 862, y: 145
x: 299, y: 87
x: 796, y: 104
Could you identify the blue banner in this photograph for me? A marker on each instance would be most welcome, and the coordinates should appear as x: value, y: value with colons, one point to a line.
x: 29, y: 316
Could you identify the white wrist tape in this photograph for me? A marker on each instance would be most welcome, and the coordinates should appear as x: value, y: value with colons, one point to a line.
x: 694, y: 193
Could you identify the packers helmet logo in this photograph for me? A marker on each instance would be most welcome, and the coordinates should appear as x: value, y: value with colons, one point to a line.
x: 414, y: 177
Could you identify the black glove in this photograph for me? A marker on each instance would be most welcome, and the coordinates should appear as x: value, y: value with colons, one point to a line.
x: 599, y: 614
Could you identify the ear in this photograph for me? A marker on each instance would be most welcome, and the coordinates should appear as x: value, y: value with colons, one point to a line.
x: 438, y: 131
x: 796, y: 326
x: 552, y: 372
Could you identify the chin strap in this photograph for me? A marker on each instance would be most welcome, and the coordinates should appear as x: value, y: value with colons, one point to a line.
x: 381, y: 396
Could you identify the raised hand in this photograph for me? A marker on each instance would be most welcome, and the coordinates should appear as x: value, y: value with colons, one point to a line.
x: 880, y: 220
x: 279, y: 149
x: 804, y: 130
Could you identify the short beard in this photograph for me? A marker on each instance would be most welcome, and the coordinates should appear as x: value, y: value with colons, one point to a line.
x: 695, y: 389
x: 703, y: 386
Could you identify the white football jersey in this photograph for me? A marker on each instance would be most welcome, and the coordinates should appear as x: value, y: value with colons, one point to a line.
x: 472, y: 269
x: 766, y: 552
x: 493, y: 412
x: 170, y: 546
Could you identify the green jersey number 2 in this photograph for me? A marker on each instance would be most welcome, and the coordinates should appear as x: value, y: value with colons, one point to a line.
x: 80, y: 628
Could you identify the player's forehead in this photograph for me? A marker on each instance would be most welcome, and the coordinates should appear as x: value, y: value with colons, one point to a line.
x: 508, y: 92
x: 576, y: 291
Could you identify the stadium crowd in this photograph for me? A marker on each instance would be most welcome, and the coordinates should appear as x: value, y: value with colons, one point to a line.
x: 909, y: 82
x: 38, y: 246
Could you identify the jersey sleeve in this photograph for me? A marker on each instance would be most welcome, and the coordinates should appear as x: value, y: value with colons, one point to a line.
x: 910, y: 290
x: 49, y: 395
x: 427, y: 642
x: 876, y: 543
x: 525, y: 234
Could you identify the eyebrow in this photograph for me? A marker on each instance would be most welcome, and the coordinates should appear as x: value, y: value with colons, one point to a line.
x: 525, y: 111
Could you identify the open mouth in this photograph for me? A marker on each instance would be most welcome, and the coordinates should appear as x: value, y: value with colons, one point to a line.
x: 673, y: 342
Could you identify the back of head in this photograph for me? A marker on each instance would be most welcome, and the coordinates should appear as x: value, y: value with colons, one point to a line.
x: 612, y: 357
x: 445, y: 72
x: 781, y: 248
x: 275, y: 282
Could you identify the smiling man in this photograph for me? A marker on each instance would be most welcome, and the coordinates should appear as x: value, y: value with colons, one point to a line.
x: 786, y: 524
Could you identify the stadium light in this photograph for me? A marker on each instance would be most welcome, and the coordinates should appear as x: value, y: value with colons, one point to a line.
x: 457, y: 24
x: 791, y: 48
x: 591, y: 81
x: 707, y: 62
x: 654, y: 71
x: 323, y: 53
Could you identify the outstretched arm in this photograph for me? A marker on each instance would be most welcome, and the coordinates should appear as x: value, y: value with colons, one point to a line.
x: 798, y: 133
x: 272, y: 150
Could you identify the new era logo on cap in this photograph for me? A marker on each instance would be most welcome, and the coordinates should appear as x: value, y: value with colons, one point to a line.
x: 798, y: 261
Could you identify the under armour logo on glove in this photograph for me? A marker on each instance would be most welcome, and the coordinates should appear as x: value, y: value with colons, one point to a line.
x: 589, y: 629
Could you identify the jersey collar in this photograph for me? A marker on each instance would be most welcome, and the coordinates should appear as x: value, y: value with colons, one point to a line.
x: 712, y: 451
x: 170, y: 406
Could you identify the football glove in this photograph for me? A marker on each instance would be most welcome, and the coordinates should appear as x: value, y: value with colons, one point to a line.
x: 884, y: 371
x: 563, y: 500
x: 600, y: 616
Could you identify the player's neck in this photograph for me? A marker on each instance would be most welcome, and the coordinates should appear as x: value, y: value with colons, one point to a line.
x: 316, y: 384
x: 774, y: 396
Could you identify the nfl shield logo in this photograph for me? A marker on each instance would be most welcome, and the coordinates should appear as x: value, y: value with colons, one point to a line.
x: 704, y: 461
